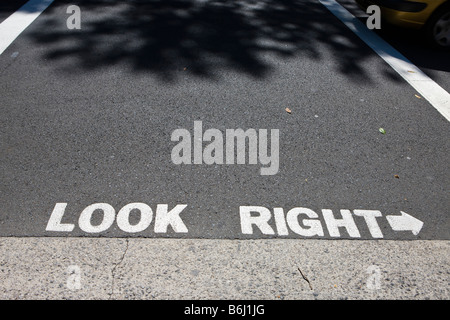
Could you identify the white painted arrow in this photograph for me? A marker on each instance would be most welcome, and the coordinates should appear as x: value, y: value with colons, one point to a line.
x: 405, y: 222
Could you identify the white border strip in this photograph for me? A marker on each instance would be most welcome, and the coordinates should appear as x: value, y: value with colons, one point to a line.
x: 430, y: 90
x: 13, y: 26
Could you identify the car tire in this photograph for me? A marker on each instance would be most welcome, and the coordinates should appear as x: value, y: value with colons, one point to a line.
x: 438, y: 28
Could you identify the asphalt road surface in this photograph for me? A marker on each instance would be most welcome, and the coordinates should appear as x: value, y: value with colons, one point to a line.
x: 88, y: 116
x: 346, y: 158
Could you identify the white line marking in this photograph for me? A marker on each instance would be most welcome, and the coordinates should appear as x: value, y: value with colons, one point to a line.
x: 13, y: 26
x: 430, y: 90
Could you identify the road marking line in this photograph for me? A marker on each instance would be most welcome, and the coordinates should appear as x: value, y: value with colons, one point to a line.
x: 13, y: 26
x: 430, y: 90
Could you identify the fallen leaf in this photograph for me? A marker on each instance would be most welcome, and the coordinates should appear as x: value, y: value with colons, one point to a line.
x: 419, y: 97
x: 382, y: 130
x: 396, y: 176
x: 288, y: 110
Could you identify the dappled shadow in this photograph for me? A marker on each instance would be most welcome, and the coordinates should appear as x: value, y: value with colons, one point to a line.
x: 203, y: 36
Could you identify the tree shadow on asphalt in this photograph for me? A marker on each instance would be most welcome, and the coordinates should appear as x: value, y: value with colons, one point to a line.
x: 203, y: 36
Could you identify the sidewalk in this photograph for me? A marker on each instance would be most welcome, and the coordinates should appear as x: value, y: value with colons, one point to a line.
x: 86, y: 268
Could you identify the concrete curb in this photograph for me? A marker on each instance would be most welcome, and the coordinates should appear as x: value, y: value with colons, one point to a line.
x: 89, y: 268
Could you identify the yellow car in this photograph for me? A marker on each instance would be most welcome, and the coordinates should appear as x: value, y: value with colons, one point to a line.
x: 433, y: 16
